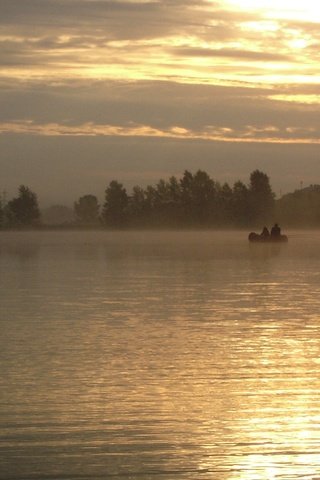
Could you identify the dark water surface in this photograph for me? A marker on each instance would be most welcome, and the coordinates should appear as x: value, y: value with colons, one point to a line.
x: 159, y: 356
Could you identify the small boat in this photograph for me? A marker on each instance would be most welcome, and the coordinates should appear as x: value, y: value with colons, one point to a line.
x: 256, y: 237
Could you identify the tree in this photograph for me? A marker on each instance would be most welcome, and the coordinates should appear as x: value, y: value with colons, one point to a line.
x: 197, y: 195
x: 86, y: 209
x: 1, y: 212
x: 151, y: 204
x: 186, y: 187
x: 174, y: 207
x: 240, y: 205
x: 137, y: 206
x: 23, y: 210
x: 115, y: 208
x: 224, y: 204
x: 167, y: 202
x: 300, y: 208
x: 261, y: 198
x: 175, y: 191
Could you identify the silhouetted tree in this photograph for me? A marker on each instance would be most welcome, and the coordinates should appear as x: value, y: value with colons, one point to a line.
x: 151, y: 204
x: 164, y: 203
x: 23, y: 210
x: 1, y: 213
x: 241, y: 215
x: 187, y: 197
x: 174, y: 204
x: 137, y: 209
x: 197, y: 197
x: 86, y: 209
x: 115, y: 208
x: 224, y: 204
x: 158, y: 205
x: 175, y: 190
x: 300, y: 208
x: 261, y: 198
x: 194, y: 200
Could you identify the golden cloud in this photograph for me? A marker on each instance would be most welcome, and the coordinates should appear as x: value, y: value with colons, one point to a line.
x: 248, y: 134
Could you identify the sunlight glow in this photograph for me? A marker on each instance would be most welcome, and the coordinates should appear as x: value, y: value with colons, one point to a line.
x: 261, y: 26
x: 298, y: 43
x: 299, y: 98
x: 259, y: 46
x: 274, y: 432
x: 290, y: 9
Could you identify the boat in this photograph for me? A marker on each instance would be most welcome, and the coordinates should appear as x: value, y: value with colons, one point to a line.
x: 256, y: 237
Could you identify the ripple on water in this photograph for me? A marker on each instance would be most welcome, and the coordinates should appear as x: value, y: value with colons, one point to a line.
x: 159, y: 355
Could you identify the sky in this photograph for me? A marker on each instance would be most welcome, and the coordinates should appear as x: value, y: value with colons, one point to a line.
x: 96, y: 90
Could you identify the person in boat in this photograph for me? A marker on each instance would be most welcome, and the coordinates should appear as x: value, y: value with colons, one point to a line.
x: 265, y: 233
x: 275, y: 231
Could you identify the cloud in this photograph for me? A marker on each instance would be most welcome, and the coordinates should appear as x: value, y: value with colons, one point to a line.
x: 212, y: 133
x: 196, y: 42
x: 303, y: 99
x: 114, y: 19
x: 182, y: 73
x: 230, y: 53
x: 177, y: 111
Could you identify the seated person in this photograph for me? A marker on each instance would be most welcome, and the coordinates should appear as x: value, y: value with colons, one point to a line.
x: 265, y: 232
x: 275, y: 231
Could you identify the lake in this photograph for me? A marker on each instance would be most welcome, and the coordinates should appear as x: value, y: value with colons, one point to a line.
x: 159, y: 355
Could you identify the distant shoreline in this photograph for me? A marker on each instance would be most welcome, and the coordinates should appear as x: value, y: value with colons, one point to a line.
x: 160, y: 228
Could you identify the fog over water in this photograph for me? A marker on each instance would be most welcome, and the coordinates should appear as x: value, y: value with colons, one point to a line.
x: 159, y: 355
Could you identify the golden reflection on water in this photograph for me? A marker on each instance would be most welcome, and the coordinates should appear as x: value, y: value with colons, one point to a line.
x: 162, y: 361
x: 272, y: 427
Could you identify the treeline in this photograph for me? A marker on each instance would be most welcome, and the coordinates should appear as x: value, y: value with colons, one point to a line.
x: 193, y: 201
x: 300, y: 208
x: 20, y: 211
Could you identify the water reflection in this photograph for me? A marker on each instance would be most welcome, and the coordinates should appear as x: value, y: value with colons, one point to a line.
x: 274, y: 429
x: 264, y: 251
x: 19, y: 245
x: 160, y: 356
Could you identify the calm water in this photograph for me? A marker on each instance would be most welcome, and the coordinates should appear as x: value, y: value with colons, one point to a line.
x: 159, y: 356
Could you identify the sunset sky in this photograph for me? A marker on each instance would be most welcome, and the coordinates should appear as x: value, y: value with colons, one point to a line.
x: 95, y: 90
